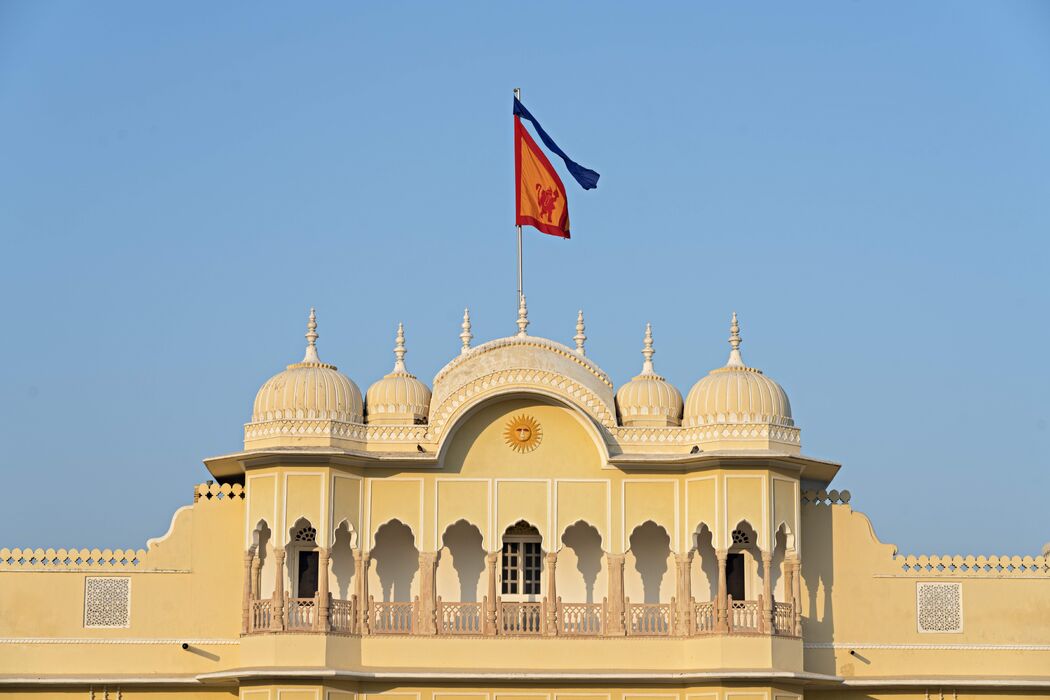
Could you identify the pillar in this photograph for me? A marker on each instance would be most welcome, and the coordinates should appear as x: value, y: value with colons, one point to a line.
x: 683, y: 564
x: 324, y: 600
x: 256, y: 575
x: 789, y: 589
x: 361, y: 562
x: 246, y: 612
x: 277, y: 616
x: 796, y: 594
x: 765, y: 615
x: 614, y: 565
x: 552, y: 593
x: 491, y: 562
x: 721, y: 603
x: 427, y: 593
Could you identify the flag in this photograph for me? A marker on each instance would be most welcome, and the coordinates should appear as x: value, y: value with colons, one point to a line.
x: 541, y: 201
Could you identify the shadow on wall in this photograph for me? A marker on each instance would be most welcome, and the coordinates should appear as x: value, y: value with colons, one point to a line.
x: 818, y: 578
x: 396, y: 560
x: 586, y: 544
x: 342, y: 562
x: 463, y: 542
x: 706, y: 561
x: 651, y: 547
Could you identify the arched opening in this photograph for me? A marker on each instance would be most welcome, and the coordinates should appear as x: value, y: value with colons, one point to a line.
x: 340, y: 580
x: 521, y: 562
x: 461, y: 563
x: 263, y: 579
x: 303, y: 559
x: 704, y: 572
x: 743, y: 563
x: 580, y: 563
x: 396, y: 561
x: 649, y: 574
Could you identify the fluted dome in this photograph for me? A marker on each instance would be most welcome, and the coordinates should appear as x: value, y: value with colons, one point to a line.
x: 309, y: 390
x: 398, y: 397
x: 649, y: 400
x: 737, y: 394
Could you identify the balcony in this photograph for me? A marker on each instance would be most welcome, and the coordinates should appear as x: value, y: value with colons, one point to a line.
x: 520, y: 619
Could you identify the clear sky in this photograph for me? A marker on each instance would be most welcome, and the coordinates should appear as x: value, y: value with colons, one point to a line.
x: 866, y: 183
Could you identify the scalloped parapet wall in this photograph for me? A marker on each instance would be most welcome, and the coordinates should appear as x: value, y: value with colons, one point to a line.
x: 85, y: 559
x: 1006, y: 566
x: 826, y: 498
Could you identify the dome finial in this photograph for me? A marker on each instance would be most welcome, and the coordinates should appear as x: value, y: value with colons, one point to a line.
x: 580, y: 337
x: 466, y: 336
x: 523, y: 316
x: 647, y: 350
x: 734, y: 342
x: 399, y: 349
x: 311, y: 338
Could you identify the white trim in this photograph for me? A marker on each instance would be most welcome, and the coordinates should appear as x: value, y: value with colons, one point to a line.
x: 776, y: 516
x: 498, y: 536
x: 356, y: 534
x: 763, y: 693
x: 928, y: 647
x: 668, y: 677
x: 763, y: 487
x: 246, y: 692
x: 675, y: 527
x: 418, y: 537
x: 118, y: 640
x: 438, y: 531
x: 316, y: 691
x: 689, y: 528
x: 249, y: 527
x: 171, y: 528
x: 606, y: 546
x: 284, y: 506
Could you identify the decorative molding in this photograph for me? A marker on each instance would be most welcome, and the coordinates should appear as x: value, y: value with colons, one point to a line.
x: 970, y: 566
x: 116, y: 640
x: 826, y: 498
x: 525, y: 341
x: 927, y: 647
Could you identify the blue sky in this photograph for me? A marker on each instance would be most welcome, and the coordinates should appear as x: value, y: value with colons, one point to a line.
x: 866, y: 183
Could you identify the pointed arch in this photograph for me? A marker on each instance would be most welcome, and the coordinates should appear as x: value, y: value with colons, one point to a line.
x: 581, y: 563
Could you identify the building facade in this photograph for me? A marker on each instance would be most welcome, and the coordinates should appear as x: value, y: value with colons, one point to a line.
x: 521, y: 530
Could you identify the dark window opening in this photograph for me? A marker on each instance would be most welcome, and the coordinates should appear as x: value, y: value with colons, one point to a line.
x: 308, y: 566
x: 735, y: 575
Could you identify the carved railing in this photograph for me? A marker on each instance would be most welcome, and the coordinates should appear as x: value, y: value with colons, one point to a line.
x: 520, y: 619
x: 342, y: 615
x: 784, y: 619
x: 300, y: 613
x: 704, y: 617
x: 392, y: 617
x: 649, y: 619
x: 261, y: 615
x: 460, y: 618
x: 743, y: 615
x: 581, y: 619
x: 973, y: 566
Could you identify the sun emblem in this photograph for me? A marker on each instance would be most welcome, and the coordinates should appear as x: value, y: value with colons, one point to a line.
x: 523, y: 433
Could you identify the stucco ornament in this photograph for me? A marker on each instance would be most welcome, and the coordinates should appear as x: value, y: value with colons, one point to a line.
x: 523, y: 433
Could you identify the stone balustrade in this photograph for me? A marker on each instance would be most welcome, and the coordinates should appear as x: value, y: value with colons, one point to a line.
x: 517, y: 618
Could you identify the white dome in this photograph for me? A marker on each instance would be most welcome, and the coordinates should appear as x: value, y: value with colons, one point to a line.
x: 309, y: 390
x: 399, y: 397
x: 737, y: 394
x: 649, y: 400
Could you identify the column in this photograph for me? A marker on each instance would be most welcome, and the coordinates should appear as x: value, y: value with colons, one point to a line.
x: 323, y: 598
x: 765, y: 615
x: 277, y: 610
x: 796, y: 594
x: 789, y: 589
x: 614, y: 565
x: 721, y: 604
x: 256, y: 569
x: 246, y: 612
x: 491, y: 562
x: 552, y: 593
x: 361, y: 562
x: 427, y: 593
x: 683, y: 564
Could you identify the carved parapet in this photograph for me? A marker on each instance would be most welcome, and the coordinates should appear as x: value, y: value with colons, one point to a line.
x: 973, y: 566
x: 212, y: 491
x: 825, y: 498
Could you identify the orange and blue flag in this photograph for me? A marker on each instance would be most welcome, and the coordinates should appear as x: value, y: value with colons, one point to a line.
x: 541, y: 200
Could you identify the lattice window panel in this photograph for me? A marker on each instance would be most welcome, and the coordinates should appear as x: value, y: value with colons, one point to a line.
x: 938, y: 607
x: 107, y: 601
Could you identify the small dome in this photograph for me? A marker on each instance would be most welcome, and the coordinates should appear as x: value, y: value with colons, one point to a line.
x: 649, y: 400
x: 310, y: 390
x: 736, y: 394
x: 399, y: 397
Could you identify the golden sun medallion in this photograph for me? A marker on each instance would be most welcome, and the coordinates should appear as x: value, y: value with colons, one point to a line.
x: 523, y: 433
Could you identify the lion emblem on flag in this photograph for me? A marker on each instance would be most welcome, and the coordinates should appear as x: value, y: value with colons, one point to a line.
x: 547, y: 199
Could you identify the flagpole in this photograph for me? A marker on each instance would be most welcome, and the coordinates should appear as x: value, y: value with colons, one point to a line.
x: 521, y: 290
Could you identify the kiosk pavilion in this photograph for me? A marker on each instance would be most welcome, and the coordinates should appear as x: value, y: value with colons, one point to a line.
x: 520, y: 531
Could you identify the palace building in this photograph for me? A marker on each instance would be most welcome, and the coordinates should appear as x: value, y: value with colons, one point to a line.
x: 521, y: 529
